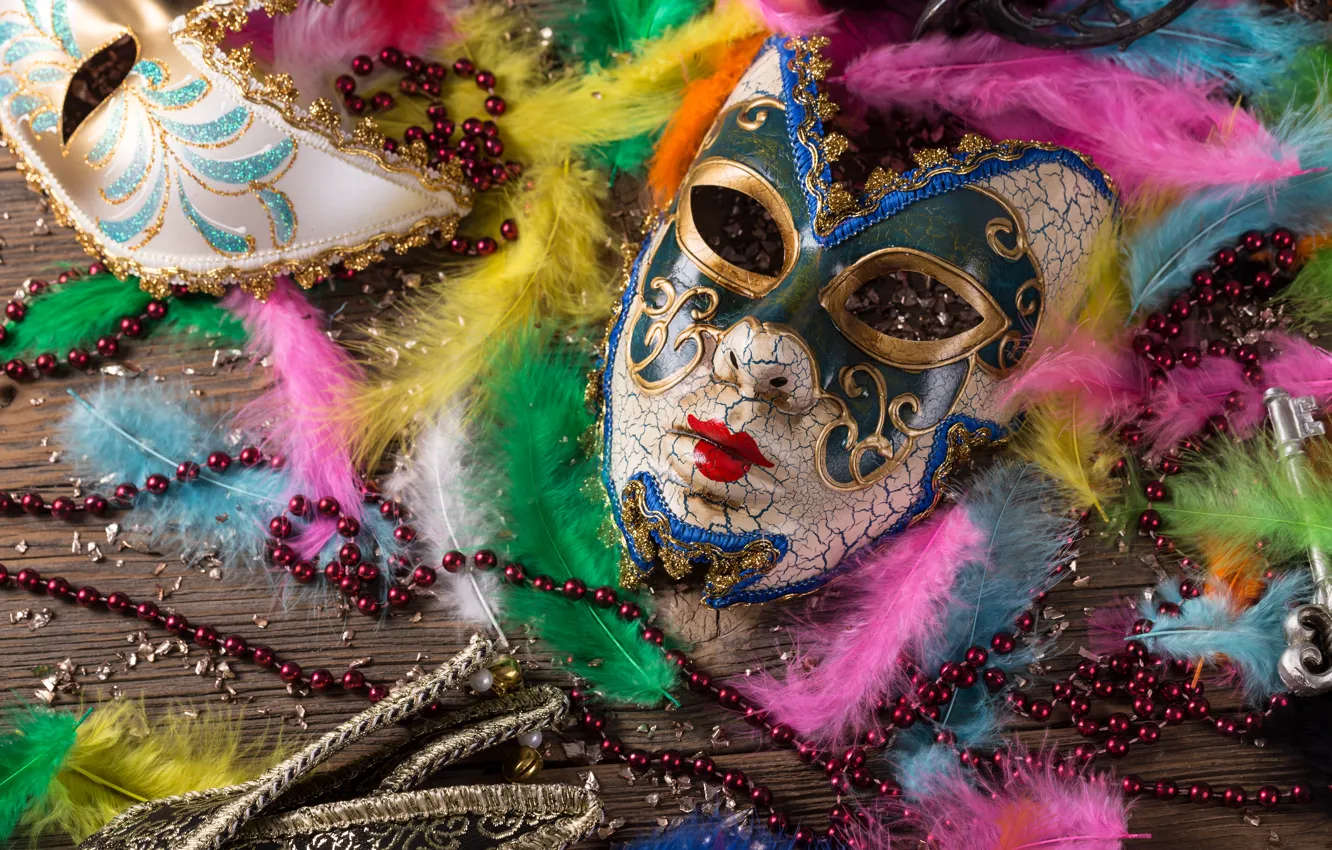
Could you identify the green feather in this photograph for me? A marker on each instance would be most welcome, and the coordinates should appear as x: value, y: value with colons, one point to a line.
x: 594, y: 33
x: 1240, y: 494
x: 1309, y: 296
x: 532, y: 420
x: 30, y: 757
x: 75, y: 314
x: 1304, y: 86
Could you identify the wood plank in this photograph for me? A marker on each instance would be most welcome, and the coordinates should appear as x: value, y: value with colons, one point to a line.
x: 728, y: 642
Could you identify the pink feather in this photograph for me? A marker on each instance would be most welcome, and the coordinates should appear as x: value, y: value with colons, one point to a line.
x: 904, y: 590
x: 1106, y: 379
x: 1033, y: 808
x: 1184, y: 404
x: 311, y: 375
x: 1146, y: 133
x: 317, y: 42
x: 793, y: 17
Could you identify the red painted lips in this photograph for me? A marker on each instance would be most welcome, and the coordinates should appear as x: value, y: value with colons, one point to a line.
x: 720, y: 454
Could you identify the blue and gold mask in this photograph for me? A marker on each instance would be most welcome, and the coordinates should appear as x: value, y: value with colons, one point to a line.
x: 778, y: 398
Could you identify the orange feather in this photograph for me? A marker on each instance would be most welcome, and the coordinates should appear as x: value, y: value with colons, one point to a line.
x: 700, y: 102
x: 1235, y: 570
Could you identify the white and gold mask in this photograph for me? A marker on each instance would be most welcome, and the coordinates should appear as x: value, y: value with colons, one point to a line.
x: 179, y: 160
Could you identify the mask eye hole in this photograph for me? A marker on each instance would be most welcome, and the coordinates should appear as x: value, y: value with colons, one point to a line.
x: 738, y: 228
x: 95, y: 81
x: 909, y: 304
x: 912, y: 310
x: 735, y: 227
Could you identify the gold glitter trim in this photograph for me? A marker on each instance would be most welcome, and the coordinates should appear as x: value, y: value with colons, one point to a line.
x: 207, y: 26
x: 724, y: 569
x: 833, y: 203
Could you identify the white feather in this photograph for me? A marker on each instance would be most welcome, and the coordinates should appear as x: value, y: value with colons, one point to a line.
x: 432, y: 485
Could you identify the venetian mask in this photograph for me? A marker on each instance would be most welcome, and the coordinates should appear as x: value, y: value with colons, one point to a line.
x: 178, y: 157
x: 776, y: 401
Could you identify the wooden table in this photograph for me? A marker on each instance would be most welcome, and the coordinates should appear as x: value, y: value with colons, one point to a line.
x: 729, y: 642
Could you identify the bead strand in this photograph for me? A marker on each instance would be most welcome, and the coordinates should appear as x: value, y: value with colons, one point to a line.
x: 319, y: 680
x: 108, y: 345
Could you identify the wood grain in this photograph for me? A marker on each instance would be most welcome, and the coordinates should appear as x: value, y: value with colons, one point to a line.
x: 729, y: 642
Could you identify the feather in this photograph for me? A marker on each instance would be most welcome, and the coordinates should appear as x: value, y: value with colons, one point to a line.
x: 1304, y: 84
x: 861, y: 637
x: 794, y: 17
x: 1146, y: 133
x: 30, y: 757
x: 1216, y: 627
x: 1308, y: 299
x: 557, y: 205
x: 1033, y: 807
x: 1240, y: 494
x: 532, y: 413
x: 1184, y: 403
x: 966, y: 572
x: 124, y: 433
x: 702, y: 99
x: 76, y: 314
x: 117, y: 757
x: 447, y: 517
x: 718, y: 832
x: 1069, y: 446
x: 312, y: 375
x: 598, y: 32
x: 1240, y: 45
x: 316, y: 42
x: 1163, y: 257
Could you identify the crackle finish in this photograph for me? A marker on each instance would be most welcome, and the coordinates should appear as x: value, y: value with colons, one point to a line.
x: 182, y: 173
x: 756, y: 428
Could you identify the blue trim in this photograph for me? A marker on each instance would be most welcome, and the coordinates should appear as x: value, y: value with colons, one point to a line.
x: 607, y: 371
x: 928, y: 496
x: 895, y: 202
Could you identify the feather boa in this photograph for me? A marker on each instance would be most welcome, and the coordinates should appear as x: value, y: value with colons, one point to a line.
x: 558, y: 266
x: 126, y: 432
x: 72, y: 774
x: 1145, y: 132
x: 531, y: 414
x: 447, y: 517
x: 966, y: 572
x: 312, y: 374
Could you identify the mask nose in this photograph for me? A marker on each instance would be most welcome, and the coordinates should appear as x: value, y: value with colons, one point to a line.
x: 768, y: 363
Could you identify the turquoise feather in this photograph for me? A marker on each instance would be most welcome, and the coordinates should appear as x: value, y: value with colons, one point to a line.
x: 30, y: 757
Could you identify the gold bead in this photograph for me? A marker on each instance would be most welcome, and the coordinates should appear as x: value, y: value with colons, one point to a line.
x: 508, y: 676
x: 522, y: 763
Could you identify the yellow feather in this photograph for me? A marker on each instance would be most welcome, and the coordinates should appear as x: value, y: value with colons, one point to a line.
x: 1071, y: 449
x: 1106, y: 308
x: 121, y: 759
x: 565, y: 263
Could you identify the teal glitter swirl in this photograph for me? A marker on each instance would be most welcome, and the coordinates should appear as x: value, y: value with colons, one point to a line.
x: 242, y: 172
x: 9, y: 29
x: 60, y: 25
x: 45, y: 121
x: 282, y: 215
x: 106, y: 145
x: 179, y: 97
x: 216, y: 132
x: 25, y: 47
x: 123, y: 230
x: 129, y: 181
x: 223, y: 239
x: 23, y: 104
x: 47, y: 74
x: 151, y: 70
x: 8, y: 85
x: 35, y: 14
